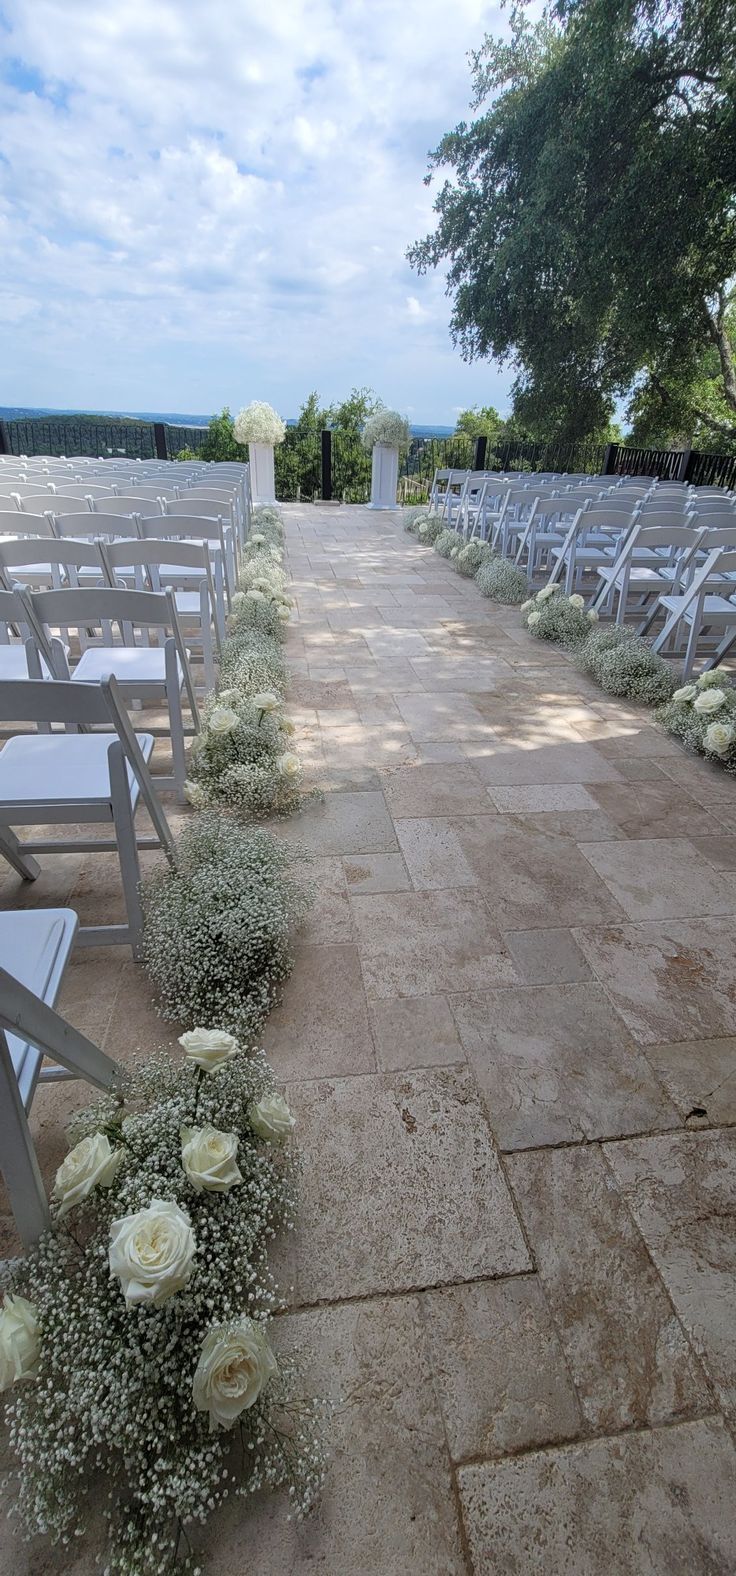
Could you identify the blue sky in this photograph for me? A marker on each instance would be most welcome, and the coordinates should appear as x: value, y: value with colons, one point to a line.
x: 203, y: 205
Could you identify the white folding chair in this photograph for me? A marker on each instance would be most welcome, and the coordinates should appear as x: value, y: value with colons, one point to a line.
x: 143, y: 672
x: 185, y: 568
x: 199, y: 506
x: 591, y: 543
x: 18, y: 523
x: 706, y: 607
x: 47, y: 564
x: 651, y: 560
x: 54, y: 503
x: 208, y: 529
x: 130, y: 504
x: 54, y: 778
x: 19, y: 654
x: 37, y: 1046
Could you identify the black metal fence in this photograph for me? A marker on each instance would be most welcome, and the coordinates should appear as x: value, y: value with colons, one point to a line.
x: 97, y: 438
x: 674, y: 465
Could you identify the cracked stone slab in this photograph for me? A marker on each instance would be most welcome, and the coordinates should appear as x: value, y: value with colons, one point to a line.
x: 670, y: 981
x: 700, y: 1077
x: 401, y: 1188
x: 556, y: 1065
x: 681, y: 1190
x: 388, y: 1507
x: 645, y: 1504
x: 627, y: 1352
x: 498, y: 1368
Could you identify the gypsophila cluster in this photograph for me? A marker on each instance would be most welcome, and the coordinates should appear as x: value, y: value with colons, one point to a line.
x: 624, y: 664
x: 703, y: 715
x: 258, y: 423
x: 218, y: 927
x: 180, y: 1403
x: 386, y: 426
x: 471, y: 556
x: 501, y: 581
x: 552, y: 616
x: 243, y: 755
x: 446, y: 543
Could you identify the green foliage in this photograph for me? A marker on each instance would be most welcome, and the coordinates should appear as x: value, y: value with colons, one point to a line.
x: 217, y: 927
x: 624, y: 664
x: 187, y: 454
x: 588, y: 222
x: 220, y: 443
x: 680, y: 401
x: 501, y: 581
x: 480, y: 421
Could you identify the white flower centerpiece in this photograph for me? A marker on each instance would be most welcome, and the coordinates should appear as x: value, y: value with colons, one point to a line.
x: 259, y: 425
x: 385, y: 433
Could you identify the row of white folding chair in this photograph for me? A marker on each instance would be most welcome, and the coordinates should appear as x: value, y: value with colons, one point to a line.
x: 651, y: 559
x: 145, y: 672
x: 193, y: 570
x: 37, y: 1046
x: 98, y: 775
x: 703, y: 609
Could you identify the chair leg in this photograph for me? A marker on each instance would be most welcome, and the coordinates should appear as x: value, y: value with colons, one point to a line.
x: 127, y: 845
x: 177, y: 738
x: 22, y: 863
x: 205, y: 619
x: 19, y: 1161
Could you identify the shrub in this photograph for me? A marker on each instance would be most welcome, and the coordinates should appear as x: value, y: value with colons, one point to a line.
x: 217, y: 927
x: 501, y: 581
x: 471, y: 556
x: 624, y: 664
x: 259, y: 569
x: 561, y: 619
x: 446, y: 542
x: 709, y: 731
x: 258, y: 423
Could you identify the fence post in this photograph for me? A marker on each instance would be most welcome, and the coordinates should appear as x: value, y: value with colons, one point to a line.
x: 683, y: 468
x: 159, y: 440
x: 4, y: 438
x: 479, y: 458
x: 609, y: 460
x: 326, y: 466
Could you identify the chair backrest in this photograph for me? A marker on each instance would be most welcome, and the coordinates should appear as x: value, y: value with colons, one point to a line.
x: 94, y: 525
x: 202, y: 504
x: 148, y: 556
x: 707, y: 517
x: 26, y: 552
x: 18, y: 523
x: 605, y: 517
x: 153, y: 492
x: 84, y: 489
x: 94, y: 607
x: 167, y: 527
x: 715, y: 535
x: 53, y: 503
x: 128, y: 504
x: 24, y: 489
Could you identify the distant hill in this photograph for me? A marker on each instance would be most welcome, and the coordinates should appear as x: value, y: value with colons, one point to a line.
x: 173, y: 418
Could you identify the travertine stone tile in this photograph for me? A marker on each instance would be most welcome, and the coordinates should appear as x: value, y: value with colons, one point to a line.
x: 428, y: 943
x: 375, y: 873
x: 433, y: 854
x: 498, y: 1368
x: 517, y: 760
x: 321, y: 1029
x: 541, y: 797
x: 700, y: 1077
x: 406, y: 1163
x: 442, y: 789
x: 330, y: 921
x: 547, y: 957
x: 718, y: 849
x: 658, y: 809
x: 681, y: 1190
x: 669, y: 981
x: 346, y: 823
x: 661, y: 878
x: 450, y: 715
x: 627, y: 1352
x: 659, y: 1503
x: 556, y: 1065
x: 528, y: 878
x: 417, y: 1031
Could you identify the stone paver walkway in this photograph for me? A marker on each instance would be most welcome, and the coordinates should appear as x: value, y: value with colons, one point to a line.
x: 510, y: 1044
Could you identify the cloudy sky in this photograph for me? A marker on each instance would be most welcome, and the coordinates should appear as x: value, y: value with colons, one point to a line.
x: 204, y: 203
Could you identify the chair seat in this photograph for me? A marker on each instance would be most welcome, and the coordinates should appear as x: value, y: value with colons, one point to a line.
x: 34, y: 947
x: 48, y: 769
x: 716, y: 609
x: 640, y: 575
x: 130, y: 665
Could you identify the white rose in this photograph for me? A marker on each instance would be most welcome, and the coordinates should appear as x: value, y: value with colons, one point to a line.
x: 532, y: 620
x: 208, y: 1157
x: 706, y: 679
x: 454, y: 552
x: 719, y: 737
x: 238, y: 597
x: 423, y: 529
x: 195, y: 795
x: 235, y: 1363
x: 228, y: 697
x: 287, y: 726
x: 576, y: 600
x: 709, y: 700
x: 222, y: 719
x: 267, y: 701
x: 151, y: 1253
x: 209, y: 1048
x: 271, y: 1118
x: 20, y: 1342
x: 546, y: 592
x: 91, y: 1163
x: 289, y: 764
x: 592, y: 615
x: 525, y: 606
x: 256, y: 539
x: 688, y: 692
x: 283, y: 614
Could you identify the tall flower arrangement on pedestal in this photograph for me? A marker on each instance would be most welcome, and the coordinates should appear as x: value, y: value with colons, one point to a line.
x: 385, y: 432
x: 260, y: 426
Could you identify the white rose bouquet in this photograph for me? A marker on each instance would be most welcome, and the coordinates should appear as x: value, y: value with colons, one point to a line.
x: 258, y: 423
x: 702, y: 714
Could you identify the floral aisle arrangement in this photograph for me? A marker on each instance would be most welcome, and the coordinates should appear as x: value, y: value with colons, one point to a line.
x: 259, y: 423
x: 562, y: 619
x: 471, y: 556
x: 624, y: 664
x: 385, y: 432
x: 501, y: 581
x: 243, y: 757
x: 217, y: 927
x: 446, y: 543
x: 136, y: 1338
x: 703, y: 716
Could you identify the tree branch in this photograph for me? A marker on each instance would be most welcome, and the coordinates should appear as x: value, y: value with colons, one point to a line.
x: 723, y: 428
x: 720, y: 338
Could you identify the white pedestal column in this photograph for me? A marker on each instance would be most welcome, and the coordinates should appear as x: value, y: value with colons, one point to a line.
x: 384, y: 477
x: 261, y: 472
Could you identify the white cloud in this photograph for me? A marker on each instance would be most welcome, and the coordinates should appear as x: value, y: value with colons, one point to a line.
x: 195, y: 210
